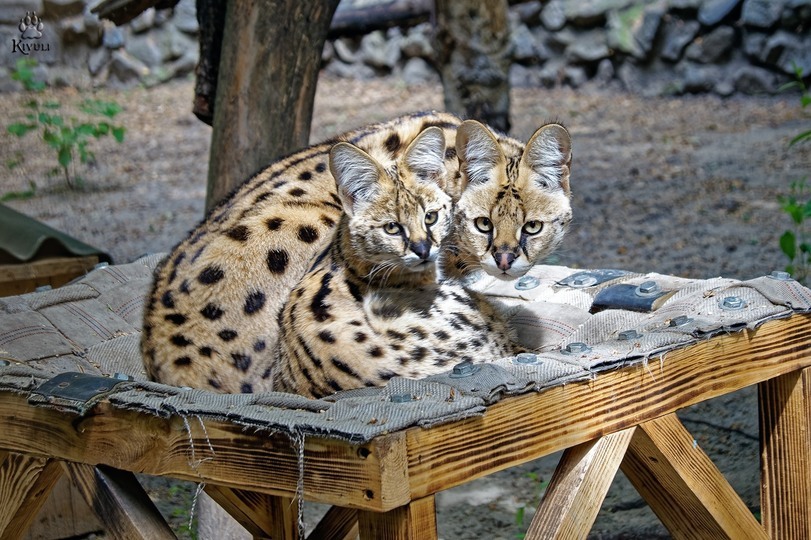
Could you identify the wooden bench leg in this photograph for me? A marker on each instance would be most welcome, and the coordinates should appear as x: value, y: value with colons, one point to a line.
x: 25, y: 483
x: 683, y: 486
x: 577, y: 488
x: 265, y: 516
x: 338, y: 524
x: 119, y: 502
x: 414, y: 521
x: 785, y: 446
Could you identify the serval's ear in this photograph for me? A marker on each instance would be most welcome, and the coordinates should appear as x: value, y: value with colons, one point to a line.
x: 548, y: 155
x: 425, y: 156
x: 479, y: 153
x: 356, y: 174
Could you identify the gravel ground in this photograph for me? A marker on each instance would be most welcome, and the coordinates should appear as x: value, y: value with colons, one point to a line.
x: 684, y: 186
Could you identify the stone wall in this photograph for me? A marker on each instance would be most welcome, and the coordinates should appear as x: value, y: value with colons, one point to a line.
x: 76, y: 48
x: 649, y: 47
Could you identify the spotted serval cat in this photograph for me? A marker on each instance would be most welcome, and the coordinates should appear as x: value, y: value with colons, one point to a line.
x: 211, y: 320
x: 346, y: 326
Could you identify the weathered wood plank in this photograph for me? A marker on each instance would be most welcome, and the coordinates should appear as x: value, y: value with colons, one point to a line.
x: 415, y: 521
x: 519, y: 429
x: 785, y: 442
x: 335, y: 472
x: 384, y: 475
x: 265, y: 516
x: 337, y: 524
x: 683, y: 487
x: 64, y: 514
x: 353, y: 19
x: 119, y: 501
x: 25, y: 277
x: 25, y: 483
x: 578, y: 486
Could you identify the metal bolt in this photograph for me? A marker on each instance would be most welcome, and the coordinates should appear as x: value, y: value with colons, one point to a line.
x: 527, y: 282
x: 681, y: 320
x: 780, y: 276
x: 464, y: 369
x: 583, y: 280
x: 122, y: 377
x: 401, y: 398
x: 628, y: 335
x: 733, y: 302
x: 647, y: 288
x: 576, y: 348
x: 100, y: 265
x: 5, y: 363
x: 526, y: 358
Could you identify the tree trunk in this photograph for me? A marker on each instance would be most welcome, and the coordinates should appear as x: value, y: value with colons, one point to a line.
x: 211, y: 18
x: 271, y: 54
x: 472, y: 44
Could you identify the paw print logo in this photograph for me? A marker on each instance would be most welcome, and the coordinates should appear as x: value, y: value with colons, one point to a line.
x: 31, y: 26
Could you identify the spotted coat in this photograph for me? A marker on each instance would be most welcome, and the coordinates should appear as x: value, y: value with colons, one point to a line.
x: 341, y: 329
x: 211, y: 319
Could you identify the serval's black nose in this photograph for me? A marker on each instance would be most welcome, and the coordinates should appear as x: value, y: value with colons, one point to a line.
x: 504, y: 259
x: 422, y: 248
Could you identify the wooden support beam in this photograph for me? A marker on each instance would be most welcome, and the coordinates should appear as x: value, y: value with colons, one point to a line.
x: 533, y: 425
x: 335, y: 472
x: 337, y: 524
x: 683, y: 486
x: 25, y: 277
x: 65, y: 514
x: 395, y: 469
x: 785, y: 445
x: 414, y: 521
x: 119, y: 502
x: 578, y: 487
x: 25, y: 483
x: 265, y: 516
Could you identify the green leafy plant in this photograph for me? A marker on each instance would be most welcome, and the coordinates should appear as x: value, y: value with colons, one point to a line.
x: 20, y: 195
x: 68, y: 137
x: 794, y: 243
x: 805, y: 100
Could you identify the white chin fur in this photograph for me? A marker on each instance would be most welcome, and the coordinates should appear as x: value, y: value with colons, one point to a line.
x: 416, y: 264
x: 420, y: 266
x: 516, y: 270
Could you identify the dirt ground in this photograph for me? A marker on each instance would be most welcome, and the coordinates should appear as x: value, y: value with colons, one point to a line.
x: 683, y: 185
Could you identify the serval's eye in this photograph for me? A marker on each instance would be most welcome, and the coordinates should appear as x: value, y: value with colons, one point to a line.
x: 533, y: 227
x: 391, y: 228
x: 483, y: 224
x: 431, y: 217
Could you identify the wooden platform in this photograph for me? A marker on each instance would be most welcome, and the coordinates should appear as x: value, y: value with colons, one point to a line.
x: 385, y: 489
x: 26, y: 277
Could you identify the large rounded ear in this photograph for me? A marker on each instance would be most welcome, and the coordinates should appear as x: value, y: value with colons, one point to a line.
x: 425, y: 156
x: 356, y: 174
x: 548, y: 155
x: 478, y: 151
